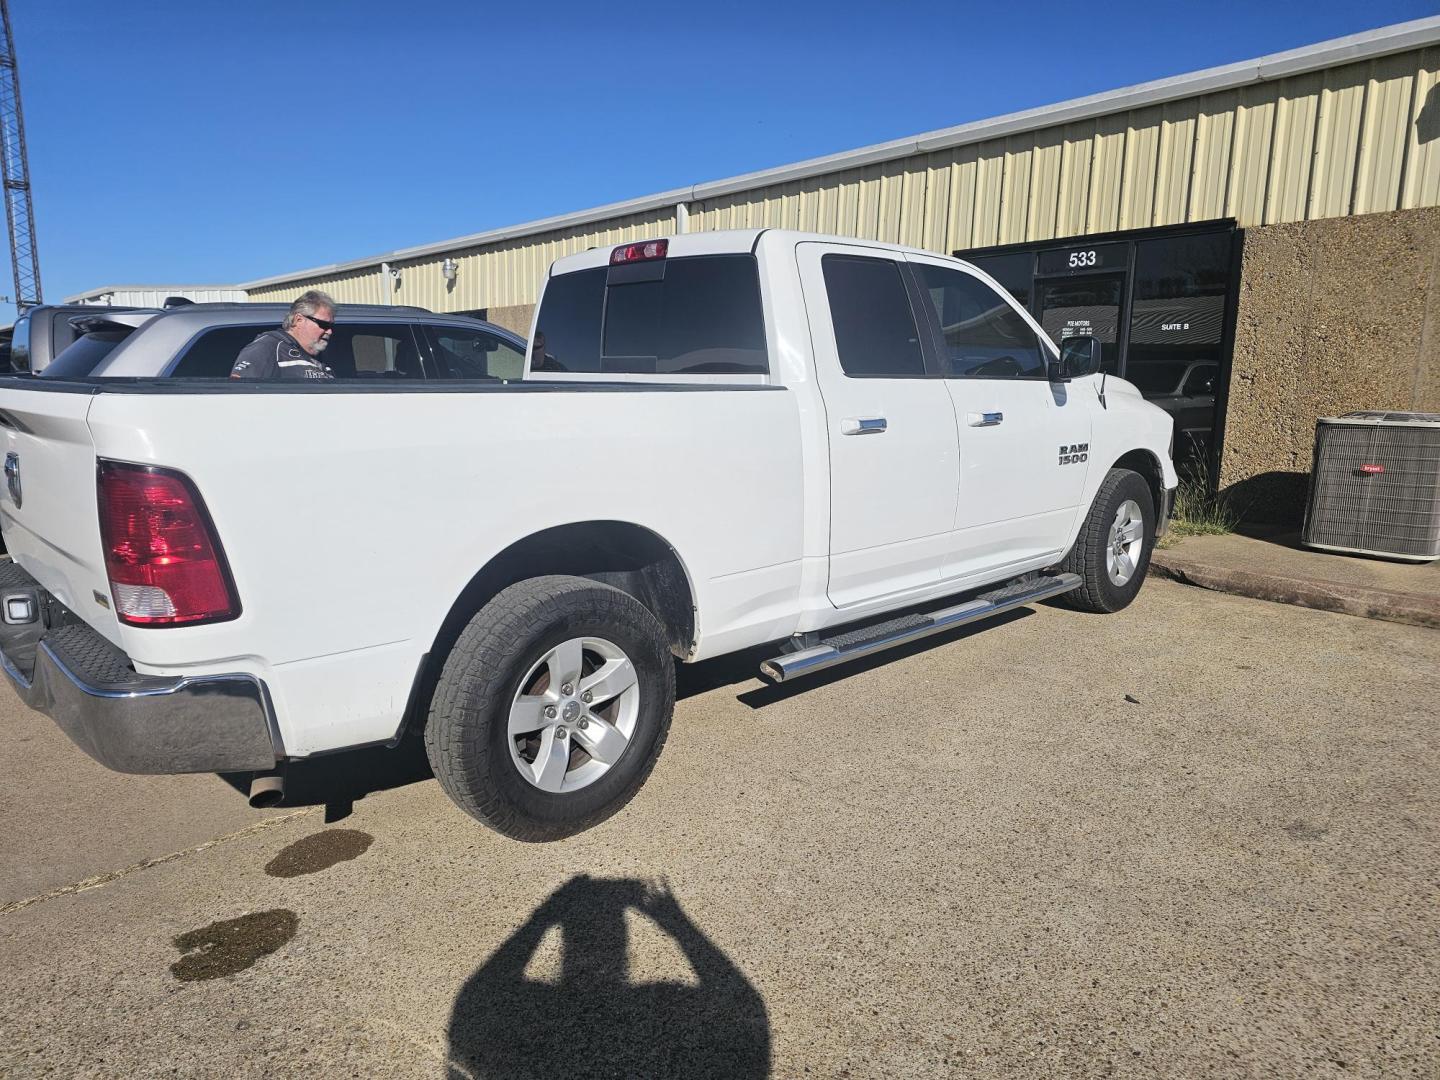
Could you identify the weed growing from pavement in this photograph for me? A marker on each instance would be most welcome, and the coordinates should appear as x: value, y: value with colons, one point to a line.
x: 1198, y: 511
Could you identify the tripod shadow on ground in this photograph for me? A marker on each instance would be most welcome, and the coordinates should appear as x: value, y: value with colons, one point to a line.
x: 590, y: 1018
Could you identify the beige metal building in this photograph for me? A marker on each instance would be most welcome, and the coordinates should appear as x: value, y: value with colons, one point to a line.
x: 1257, y: 244
x: 156, y: 295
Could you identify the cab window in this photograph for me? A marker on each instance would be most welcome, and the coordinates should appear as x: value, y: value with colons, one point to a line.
x: 982, y: 335
x: 461, y: 352
x: 875, y: 329
x: 693, y: 315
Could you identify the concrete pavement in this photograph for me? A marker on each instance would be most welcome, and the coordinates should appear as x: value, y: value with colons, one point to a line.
x: 1276, y: 567
x: 974, y: 858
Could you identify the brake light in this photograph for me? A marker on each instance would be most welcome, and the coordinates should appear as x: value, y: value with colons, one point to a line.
x: 642, y: 252
x: 165, y: 564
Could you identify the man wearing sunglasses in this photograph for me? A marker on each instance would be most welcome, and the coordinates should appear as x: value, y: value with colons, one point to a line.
x: 293, y: 351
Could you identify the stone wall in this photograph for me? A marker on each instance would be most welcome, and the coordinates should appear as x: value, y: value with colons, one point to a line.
x: 1333, y: 316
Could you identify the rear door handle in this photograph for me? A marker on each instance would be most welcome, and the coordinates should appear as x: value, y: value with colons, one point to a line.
x: 863, y: 425
x: 984, y: 419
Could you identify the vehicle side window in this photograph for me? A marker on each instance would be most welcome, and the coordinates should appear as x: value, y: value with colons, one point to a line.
x: 875, y: 331
x: 1200, y: 381
x: 464, y: 353
x: 373, y: 351
x: 567, y: 331
x: 984, y: 337
x: 20, y: 345
x: 213, y: 353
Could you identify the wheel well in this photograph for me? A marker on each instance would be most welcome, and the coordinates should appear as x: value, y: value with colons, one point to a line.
x: 627, y: 557
x: 1148, y: 466
x: 624, y: 556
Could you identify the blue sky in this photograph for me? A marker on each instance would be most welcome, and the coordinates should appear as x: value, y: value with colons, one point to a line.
x: 208, y: 143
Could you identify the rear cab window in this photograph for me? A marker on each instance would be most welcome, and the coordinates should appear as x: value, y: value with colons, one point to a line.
x: 683, y: 316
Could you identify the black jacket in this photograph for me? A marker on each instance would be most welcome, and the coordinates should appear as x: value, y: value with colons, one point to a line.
x: 277, y: 355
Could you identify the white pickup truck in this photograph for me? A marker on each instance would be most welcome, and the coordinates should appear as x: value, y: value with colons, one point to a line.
x: 725, y: 440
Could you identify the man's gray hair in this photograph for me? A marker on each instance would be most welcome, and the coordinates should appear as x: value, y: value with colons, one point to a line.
x: 307, y: 303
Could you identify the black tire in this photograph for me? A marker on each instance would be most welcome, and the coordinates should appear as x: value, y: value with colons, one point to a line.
x: 466, y: 734
x: 1100, y: 593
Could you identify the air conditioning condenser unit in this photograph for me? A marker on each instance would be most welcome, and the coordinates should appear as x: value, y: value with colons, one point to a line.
x: 1375, y: 485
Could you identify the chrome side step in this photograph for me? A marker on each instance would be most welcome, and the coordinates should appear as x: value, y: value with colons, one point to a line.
x: 872, y: 639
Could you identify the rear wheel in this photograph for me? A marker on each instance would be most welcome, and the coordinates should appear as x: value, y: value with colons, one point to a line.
x: 1112, y: 552
x: 551, y: 708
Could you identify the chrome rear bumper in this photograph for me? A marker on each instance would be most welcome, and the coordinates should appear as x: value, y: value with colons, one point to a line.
x: 129, y: 722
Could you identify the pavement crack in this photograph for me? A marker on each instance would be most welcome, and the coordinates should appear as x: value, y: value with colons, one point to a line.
x: 100, y: 880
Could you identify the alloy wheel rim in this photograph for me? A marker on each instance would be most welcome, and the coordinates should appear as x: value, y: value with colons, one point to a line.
x: 573, y: 716
x: 1127, y: 535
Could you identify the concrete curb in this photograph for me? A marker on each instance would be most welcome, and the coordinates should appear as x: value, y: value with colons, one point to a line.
x: 1368, y: 603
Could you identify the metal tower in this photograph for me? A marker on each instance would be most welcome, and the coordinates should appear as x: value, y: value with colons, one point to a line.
x: 16, y: 170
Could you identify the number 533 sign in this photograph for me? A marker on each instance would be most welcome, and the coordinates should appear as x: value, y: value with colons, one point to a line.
x: 1082, y: 260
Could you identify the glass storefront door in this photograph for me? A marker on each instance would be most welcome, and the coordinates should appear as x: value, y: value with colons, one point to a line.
x: 1176, y: 334
x: 1159, y: 300
x: 1090, y: 306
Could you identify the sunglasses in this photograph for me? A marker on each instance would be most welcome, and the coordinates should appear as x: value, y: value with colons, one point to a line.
x: 319, y: 322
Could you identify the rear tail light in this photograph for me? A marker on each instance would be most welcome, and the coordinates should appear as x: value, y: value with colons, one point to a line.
x: 641, y: 252
x: 164, y: 560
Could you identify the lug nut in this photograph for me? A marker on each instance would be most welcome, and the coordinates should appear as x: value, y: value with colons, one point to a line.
x: 587, y: 697
x: 560, y: 733
x: 567, y: 689
x: 549, y: 712
x: 584, y: 723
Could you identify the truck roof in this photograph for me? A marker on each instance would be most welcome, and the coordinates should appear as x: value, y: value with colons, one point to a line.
x: 722, y: 242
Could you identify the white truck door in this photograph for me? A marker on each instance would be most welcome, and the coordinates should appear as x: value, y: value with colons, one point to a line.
x: 1024, y: 441
x: 890, y: 424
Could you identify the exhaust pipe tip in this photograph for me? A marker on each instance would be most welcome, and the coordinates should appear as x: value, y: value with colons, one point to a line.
x: 267, y: 790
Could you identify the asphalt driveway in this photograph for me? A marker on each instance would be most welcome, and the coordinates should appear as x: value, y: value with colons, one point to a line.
x: 1195, y: 839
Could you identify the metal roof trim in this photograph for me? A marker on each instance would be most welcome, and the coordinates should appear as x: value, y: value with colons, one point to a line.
x: 492, y: 236
x: 81, y: 297
x: 1367, y: 45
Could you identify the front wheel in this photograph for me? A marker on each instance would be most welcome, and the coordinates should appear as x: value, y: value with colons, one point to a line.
x: 552, y: 707
x: 1112, y: 552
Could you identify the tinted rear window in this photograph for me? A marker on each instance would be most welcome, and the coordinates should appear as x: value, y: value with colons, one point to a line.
x: 875, y: 332
x: 81, y: 357
x: 695, y: 316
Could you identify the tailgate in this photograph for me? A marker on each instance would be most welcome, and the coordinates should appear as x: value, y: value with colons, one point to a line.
x: 48, y: 505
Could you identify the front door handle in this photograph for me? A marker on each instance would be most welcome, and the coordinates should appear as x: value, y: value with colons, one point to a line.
x: 863, y: 425
x: 984, y: 419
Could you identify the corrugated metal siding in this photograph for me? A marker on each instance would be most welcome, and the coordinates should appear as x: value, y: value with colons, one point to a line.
x: 500, y: 275
x: 1354, y: 139
x: 1346, y: 141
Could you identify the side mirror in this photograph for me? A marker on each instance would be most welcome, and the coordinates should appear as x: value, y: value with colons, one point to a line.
x: 1079, y: 356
